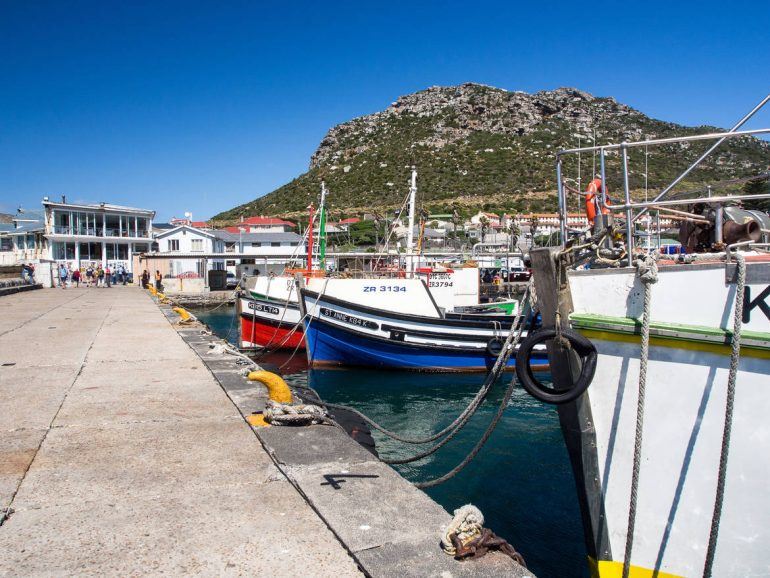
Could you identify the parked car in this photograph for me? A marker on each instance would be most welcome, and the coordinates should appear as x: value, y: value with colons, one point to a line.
x: 232, y: 280
x: 519, y: 274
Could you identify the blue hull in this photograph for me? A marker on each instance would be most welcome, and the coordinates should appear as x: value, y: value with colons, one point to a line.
x: 329, y: 346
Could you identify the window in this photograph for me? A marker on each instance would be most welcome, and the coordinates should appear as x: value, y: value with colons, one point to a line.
x: 196, y: 245
x: 275, y: 244
x: 256, y: 244
x: 173, y: 244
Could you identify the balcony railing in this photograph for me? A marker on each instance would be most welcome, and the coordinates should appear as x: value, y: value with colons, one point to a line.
x: 99, y: 232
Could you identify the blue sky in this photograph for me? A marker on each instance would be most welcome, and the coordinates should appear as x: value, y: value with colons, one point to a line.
x: 200, y: 106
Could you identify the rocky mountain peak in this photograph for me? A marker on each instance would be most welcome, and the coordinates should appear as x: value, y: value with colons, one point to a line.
x: 458, y: 111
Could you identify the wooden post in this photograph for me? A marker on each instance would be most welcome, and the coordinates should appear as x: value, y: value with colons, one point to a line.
x: 575, y: 418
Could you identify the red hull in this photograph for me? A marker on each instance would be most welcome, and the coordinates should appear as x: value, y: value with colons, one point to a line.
x: 259, y: 334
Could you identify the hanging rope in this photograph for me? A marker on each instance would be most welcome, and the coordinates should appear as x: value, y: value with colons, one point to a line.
x: 491, y: 377
x: 735, y: 356
x: 647, y: 269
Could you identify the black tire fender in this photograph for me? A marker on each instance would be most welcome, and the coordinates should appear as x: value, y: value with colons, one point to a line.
x: 582, y: 346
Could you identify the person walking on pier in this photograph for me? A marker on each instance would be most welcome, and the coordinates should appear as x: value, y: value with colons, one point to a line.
x: 108, y: 276
x: 145, y: 279
x: 76, y: 277
x: 158, y: 281
x: 63, y: 274
x: 99, y: 276
x: 89, y: 275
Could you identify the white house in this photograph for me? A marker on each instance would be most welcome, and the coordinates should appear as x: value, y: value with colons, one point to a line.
x: 187, y: 241
x: 267, y: 251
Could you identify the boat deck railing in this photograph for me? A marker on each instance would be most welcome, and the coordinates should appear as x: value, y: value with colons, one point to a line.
x: 662, y: 201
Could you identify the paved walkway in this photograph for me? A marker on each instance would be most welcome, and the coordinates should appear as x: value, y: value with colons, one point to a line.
x: 121, y: 454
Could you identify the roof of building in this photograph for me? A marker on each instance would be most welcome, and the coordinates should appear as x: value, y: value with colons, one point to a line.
x: 28, y: 228
x: 349, y: 221
x: 163, y: 226
x: 99, y: 207
x: 266, y: 221
x: 266, y: 237
x: 167, y: 232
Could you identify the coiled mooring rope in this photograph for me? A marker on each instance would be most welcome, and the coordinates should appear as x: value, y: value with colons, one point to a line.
x: 735, y: 356
x: 647, y: 269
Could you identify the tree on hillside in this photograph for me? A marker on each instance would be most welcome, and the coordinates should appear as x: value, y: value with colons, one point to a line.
x: 534, y: 223
x: 484, y: 222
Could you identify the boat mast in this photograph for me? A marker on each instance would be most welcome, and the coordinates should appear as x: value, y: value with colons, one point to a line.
x: 322, y: 228
x: 310, y: 238
x: 410, y: 231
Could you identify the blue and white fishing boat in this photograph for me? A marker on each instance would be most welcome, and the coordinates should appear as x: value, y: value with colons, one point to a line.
x: 345, y: 333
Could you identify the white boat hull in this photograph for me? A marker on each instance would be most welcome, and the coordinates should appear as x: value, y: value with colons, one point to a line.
x: 683, y: 423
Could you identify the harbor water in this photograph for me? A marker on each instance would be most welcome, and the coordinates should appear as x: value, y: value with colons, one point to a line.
x: 521, y: 480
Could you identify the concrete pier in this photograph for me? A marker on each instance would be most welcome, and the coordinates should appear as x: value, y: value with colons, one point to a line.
x: 124, y: 450
x: 120, y: 454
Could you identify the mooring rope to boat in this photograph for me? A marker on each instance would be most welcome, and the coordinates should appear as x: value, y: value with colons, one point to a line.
x: 491, y: 377
x: 735, y: 356
x: 647, y: 269
x: 509, y: 346
x: 301, y: 323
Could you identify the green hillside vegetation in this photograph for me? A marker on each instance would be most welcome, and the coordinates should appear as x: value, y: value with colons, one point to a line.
x: 493, y: 164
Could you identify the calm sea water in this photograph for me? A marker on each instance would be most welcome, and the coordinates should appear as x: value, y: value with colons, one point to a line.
x: 521, y: 480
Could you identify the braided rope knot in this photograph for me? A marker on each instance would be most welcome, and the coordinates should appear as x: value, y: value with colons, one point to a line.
x: 465, y: 525
x: 294, y: 414
x: 647, y: 268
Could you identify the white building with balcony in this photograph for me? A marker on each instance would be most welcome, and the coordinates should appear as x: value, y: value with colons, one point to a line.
x: 99, y: 234
x: 23, y: 240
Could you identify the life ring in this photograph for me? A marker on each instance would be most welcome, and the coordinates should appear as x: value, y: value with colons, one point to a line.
x: 594, y: 188
x: 495, y: 346
x: 582, y: 346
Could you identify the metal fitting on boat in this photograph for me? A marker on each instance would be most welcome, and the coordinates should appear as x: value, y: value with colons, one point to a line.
x: 276, y: 386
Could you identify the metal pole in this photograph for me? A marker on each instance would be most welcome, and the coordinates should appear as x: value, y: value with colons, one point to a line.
x: 599, y: 219
x: 711, y: 149
x: 562, y: 203
x: 410, y: 232
x: 629, y: 211
x: 322, y: 228
x: 579, y: 180
x: 718, y: 224
x: 311, y: 210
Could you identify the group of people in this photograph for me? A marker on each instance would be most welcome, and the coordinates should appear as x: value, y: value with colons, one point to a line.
x: 91, y: 276
x: 158, y: 280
